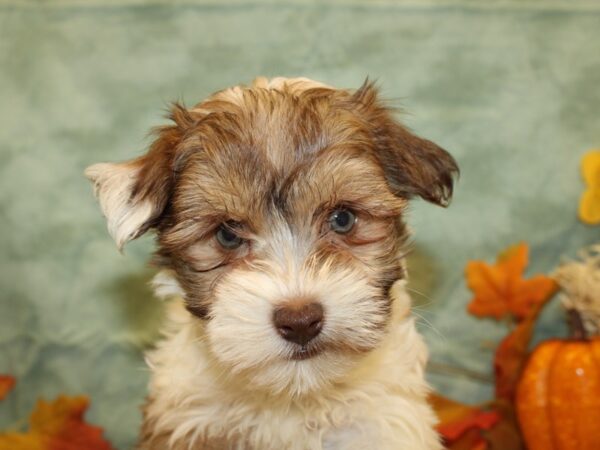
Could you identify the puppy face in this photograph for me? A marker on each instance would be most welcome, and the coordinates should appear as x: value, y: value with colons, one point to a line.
x: 279, y: 208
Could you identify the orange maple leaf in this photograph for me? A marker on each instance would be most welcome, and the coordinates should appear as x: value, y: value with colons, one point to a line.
x: 7, y: 382
x: 500, y: 289
x: 57, y: 425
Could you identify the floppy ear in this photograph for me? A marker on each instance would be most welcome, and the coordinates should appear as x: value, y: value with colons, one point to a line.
x: 134, y: 194
x: 413, y: 166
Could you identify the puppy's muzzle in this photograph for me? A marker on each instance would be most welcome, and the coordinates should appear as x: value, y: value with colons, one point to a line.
x: 299, y: 322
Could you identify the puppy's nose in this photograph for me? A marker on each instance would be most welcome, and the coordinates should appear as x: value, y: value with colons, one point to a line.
x: 299, y: 323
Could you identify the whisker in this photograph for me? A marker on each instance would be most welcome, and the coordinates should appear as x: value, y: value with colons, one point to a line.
x: 429, y: 325
x: 421, y: 294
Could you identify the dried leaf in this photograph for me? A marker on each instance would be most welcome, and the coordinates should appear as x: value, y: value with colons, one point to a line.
x: 511, y: 355
x: 505, y: 435
x: 461, y: 425
x: 471, y: 440
x: 58, y: 425
x: 579, y: 282
x: 500, y: 289
x: 7, y: 382
x: 589, y: 205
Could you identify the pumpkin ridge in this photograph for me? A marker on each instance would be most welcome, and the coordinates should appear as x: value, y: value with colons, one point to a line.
x: 534, y: 416
x: 550, y: 394
x: 595, y: 343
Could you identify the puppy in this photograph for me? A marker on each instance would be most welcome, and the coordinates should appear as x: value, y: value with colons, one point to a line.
x: 278, y: 210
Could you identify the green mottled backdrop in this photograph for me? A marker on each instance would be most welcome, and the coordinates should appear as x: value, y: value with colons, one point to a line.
x: 511, y: 88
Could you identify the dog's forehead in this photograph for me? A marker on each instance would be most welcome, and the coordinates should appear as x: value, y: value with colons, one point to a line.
x: 289, y: 144
x: 281, y: 121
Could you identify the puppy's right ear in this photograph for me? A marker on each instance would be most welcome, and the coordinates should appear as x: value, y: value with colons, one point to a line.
x: 134, y: 194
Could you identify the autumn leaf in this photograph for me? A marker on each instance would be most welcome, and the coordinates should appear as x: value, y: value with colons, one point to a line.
x: 471, y: 440
x: 7, y: 382
x: 500, y: 290
x: 461, y: 425
x: 511, y: 355
x: 505, y: 435
x: 589, y: 205
x: 57, y: 425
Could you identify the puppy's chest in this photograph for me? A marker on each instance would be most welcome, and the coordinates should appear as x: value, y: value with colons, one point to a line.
x: 237, y: 422
x: 290, y: 428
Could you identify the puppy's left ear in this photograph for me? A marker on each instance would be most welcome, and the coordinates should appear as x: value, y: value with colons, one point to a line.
x: 134, y: 194
x: 412, y: 165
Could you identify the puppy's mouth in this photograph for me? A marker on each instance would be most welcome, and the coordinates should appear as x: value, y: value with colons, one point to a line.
x: 305, y: 352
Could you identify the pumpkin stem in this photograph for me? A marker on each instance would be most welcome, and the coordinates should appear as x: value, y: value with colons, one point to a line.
x: 576, y: 324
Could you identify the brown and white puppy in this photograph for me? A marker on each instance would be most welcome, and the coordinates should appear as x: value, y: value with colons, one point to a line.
x: 278, y: 211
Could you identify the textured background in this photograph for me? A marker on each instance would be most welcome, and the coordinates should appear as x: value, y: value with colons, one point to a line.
x: 511, y: 88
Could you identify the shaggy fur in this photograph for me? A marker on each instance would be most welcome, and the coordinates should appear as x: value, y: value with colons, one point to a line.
x: 272, y: 165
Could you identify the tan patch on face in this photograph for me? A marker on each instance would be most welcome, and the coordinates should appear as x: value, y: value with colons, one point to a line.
x: 340, y: 176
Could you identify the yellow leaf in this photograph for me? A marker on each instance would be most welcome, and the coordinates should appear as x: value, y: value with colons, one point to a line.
x: 589, y: 205
x: 590, y: 168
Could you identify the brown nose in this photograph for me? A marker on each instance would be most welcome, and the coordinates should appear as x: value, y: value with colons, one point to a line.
x: 299, y: 323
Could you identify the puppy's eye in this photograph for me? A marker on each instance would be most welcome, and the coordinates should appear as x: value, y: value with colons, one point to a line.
x: 342, y: 221
x: 227, y: 238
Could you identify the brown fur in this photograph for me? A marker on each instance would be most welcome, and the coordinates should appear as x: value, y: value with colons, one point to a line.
x: 284, y: 151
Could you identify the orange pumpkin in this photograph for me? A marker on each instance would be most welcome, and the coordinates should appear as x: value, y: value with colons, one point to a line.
x: 558, y: 396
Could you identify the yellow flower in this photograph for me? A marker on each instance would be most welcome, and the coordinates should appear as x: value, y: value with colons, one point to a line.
x: 589, y: 206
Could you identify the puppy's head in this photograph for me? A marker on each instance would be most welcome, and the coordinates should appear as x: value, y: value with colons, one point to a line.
x: 279, y: 208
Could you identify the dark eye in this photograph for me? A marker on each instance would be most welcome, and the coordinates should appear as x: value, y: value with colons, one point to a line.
x: 227, y: 237
x: 342, y: 221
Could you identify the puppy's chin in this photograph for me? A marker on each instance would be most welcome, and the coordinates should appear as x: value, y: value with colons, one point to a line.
x: 244, y: 341
x: 297, y: 377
